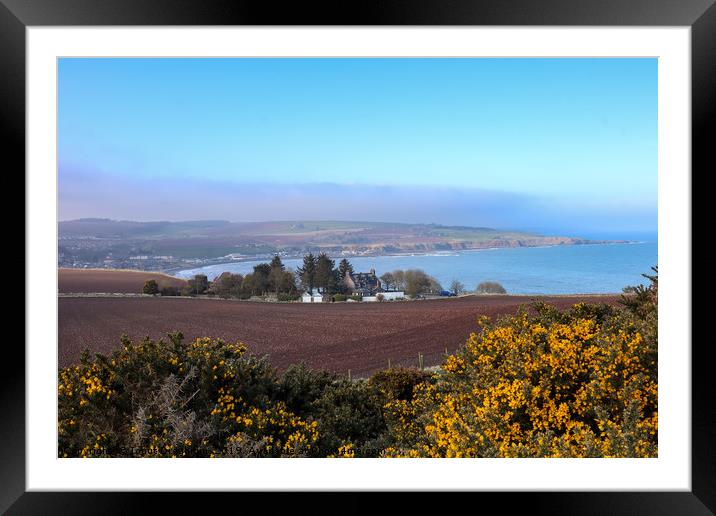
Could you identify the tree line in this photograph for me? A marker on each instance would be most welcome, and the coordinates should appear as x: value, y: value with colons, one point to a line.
x: 320, y: 272
x: 414, y: 282
x: 266, y: 278
x: 317, y: 272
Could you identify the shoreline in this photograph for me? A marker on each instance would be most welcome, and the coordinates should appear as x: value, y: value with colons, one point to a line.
x: 454, y: 252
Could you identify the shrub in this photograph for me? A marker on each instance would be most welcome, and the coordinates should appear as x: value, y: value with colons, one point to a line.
x: 640, y: 299
x: 226, y: 285
x: 300, y: 387
x: 380, y: 298
x: 399, y: 382
x: 490, y: 287
x: 207, y: 398
x: 417, y: 282
x: 350, y: 413
x: 288, y: 297
x: 198, y: 284
x: 169, y: 291
x: 357, y: 297
x: 150, y: 287
x: 457, y: 288
x: 581, y: 383
x: 340, y: 297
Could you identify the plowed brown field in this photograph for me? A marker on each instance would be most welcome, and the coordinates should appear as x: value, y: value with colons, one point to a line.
x: 361, y: 337
x: 108, y: 280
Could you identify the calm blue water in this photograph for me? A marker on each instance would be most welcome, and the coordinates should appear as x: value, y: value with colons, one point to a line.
x: 595, y: 268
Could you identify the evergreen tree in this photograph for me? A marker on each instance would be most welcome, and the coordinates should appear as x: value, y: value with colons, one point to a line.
x: 324, y: 272
x: 335, y: 282
x: 287, y: 284
x: 345, y: 267
x: 307, y: 273
x: 277, y: 263
x: 262, y: 277
x: 276, y: 275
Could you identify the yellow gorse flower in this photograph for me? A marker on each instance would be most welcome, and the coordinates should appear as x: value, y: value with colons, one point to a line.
x: 526, y: 388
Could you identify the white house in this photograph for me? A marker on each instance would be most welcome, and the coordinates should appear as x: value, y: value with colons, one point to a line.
x: 312, y: 297
x: 388, y: 295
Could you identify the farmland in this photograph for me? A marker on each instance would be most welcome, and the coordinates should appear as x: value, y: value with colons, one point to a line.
x: 337, y: 337
x: 117, y: 281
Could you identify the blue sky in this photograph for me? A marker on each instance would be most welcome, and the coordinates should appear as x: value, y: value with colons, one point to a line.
x: 543, y: 144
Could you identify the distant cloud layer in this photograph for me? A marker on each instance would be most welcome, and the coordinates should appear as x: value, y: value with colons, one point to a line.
x: 84, y: 193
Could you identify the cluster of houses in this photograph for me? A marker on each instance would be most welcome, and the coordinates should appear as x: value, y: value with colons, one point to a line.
x: 364, y: 284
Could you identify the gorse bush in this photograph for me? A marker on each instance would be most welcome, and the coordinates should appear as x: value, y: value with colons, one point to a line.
x: 580, y: 383
x: 541, y: 383
x: 157, y: 399
x: 398, y: 382
x: 210, y: 398
x: 351, y: 413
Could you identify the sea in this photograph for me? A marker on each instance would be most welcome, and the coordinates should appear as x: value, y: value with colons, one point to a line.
x: 565, y: 269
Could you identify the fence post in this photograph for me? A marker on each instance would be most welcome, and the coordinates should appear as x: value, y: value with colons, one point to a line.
x: 420, y: 360
x: 349, y: 375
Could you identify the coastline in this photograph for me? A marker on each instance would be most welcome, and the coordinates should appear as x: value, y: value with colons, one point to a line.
x: 453, y: 252
x: 560, y: 270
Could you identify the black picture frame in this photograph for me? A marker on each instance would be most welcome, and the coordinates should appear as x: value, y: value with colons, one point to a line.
x: 700, y: 15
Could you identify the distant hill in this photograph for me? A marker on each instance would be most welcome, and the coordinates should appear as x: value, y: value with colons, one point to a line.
x: 216, y: 238
x: 107, y: 228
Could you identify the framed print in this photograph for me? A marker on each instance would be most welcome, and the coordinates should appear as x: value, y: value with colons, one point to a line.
x: 274, y: 232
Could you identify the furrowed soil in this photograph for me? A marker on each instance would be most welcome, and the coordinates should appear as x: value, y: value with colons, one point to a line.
x: 360, y: 337
x: 75, y: 281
